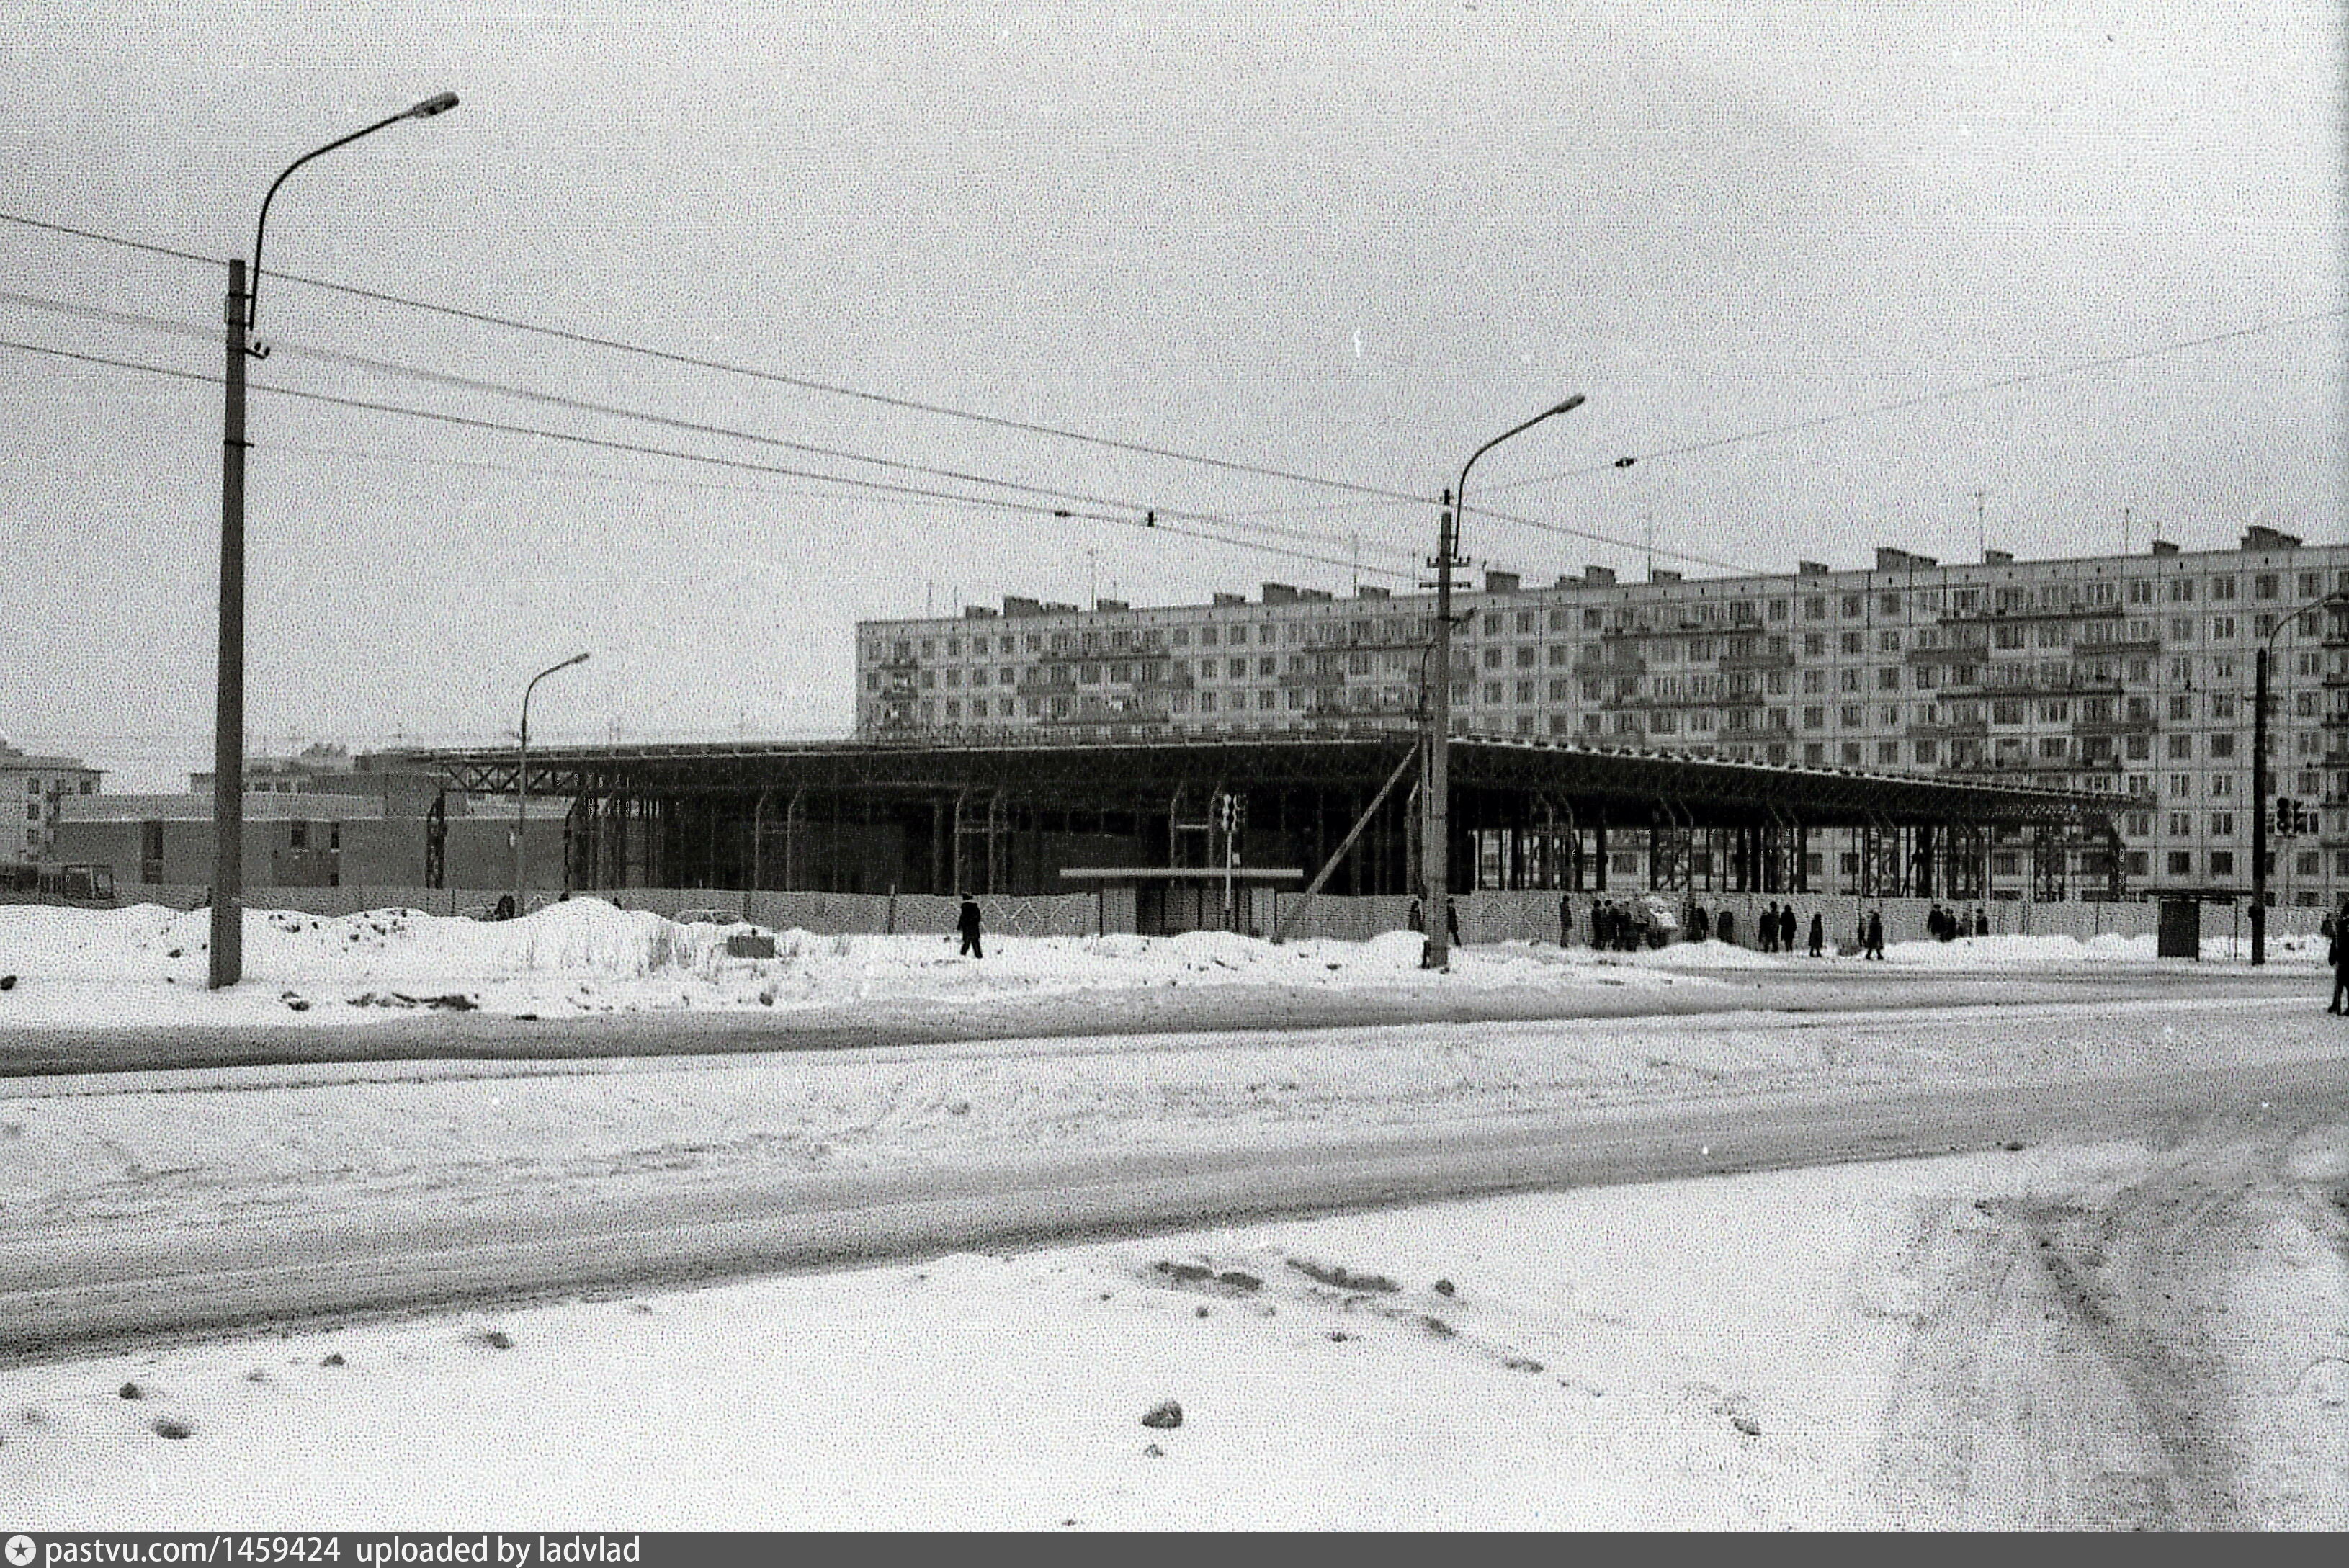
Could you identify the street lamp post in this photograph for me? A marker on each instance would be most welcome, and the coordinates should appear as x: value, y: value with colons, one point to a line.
x: 2261, y: 771
x: 227, y: 966
x: 521, y: 787
x: 1436, y: 812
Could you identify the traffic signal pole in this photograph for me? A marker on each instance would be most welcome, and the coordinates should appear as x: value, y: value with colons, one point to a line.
x: 2259, y: 806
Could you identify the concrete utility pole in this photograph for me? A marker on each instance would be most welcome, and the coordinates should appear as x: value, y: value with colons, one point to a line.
x: 227, y: 966
x: 1435, y: 815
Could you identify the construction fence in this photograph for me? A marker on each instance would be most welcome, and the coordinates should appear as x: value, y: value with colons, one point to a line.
x: 1483, y: 917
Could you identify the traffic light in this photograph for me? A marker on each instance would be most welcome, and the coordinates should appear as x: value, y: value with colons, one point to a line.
x: 2283, y: 814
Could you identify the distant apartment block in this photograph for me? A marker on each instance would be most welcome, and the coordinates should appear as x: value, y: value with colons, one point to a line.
x: 2130, y: 676
x: 33, y: 790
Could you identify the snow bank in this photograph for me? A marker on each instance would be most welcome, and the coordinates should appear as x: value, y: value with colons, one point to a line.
x: 147, y: 965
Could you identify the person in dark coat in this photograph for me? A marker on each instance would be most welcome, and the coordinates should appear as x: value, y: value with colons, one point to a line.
x: 1981, y: 923
x: 967, y: 924
x: 1418, y: 917
x: 1565, y: 920
x: 1700, y: 925
x: 1876, y: 934
x: 1818, y: 933
x: 2338, y: 956
x: 1786, y: 928
x: 1766, y: 929
x: 1452, y: 921
x: 1724, y: 927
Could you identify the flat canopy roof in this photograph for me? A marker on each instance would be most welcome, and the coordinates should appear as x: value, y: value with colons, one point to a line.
x: 1181, y: 873
x: 1621, y: 784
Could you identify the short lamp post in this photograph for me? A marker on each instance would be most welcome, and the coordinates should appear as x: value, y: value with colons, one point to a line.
x: 521, y: 787
x: 227, y: 966
x: 2261, y: 773
x: 1435, y: 814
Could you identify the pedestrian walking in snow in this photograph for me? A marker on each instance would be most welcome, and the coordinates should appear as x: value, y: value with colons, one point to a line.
x: 1786, y: 928
x: 1767, y: 928
x: 1818, y: 933
x: 1452, y: 921
x: 1725, y: 926
x: 1700, y: 924
x: 967, y: 924
x: 1981, y: 923
x: 1565, y: 920
x: 1876, y: 934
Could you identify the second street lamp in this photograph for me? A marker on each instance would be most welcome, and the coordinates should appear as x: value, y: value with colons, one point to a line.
x: 1435, y: 811
x: 227, y: 956
x: 522, y: 788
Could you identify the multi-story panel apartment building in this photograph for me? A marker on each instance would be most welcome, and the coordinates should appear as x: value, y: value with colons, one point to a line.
x: 31, y: 790
x: 2130, y: 676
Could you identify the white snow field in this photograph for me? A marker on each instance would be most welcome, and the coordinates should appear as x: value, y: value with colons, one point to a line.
x: 1832, y: 1348
x: 1722, y: 1353
x: 146, y: 964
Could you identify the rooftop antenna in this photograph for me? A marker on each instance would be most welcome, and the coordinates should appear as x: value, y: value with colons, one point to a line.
x: 1093, y: 587
x: 1981, y: 529
x: 1648, y: 518
x: 2124, y: 531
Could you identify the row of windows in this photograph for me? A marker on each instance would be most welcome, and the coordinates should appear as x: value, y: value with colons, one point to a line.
x: 36, y: 787
x: 2222, y: 587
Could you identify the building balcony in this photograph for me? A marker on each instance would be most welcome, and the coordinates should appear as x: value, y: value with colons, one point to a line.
x: 2033, y: 613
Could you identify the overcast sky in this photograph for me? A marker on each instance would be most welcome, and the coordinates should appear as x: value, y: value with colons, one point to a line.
x: 1347, y: 243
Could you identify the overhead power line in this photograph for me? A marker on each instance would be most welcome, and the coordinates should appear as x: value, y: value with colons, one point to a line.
x: 1972, y: 389
x: 808, y: 384
x: 1146, y: 521
x: 780, y: 379
x: 586, y: 406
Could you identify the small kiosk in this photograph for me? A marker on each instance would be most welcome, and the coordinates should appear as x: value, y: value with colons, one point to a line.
x: 1166, y: 900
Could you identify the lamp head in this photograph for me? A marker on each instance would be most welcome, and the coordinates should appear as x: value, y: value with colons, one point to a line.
x: 1568, y: 406
x: 574, y: 659
x: 440, y: 103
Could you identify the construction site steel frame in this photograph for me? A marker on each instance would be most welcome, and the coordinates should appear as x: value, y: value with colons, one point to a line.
x: 1008, y: 817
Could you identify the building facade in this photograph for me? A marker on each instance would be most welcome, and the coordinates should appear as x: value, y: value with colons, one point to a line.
x: 33, y: 791
x: 2128, y: 675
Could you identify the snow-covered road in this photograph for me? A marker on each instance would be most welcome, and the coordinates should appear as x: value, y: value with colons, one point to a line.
x: 1991, y: 1339
x: 197, y: 1199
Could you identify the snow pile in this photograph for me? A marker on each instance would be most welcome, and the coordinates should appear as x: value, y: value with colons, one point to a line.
x: 148, y: 964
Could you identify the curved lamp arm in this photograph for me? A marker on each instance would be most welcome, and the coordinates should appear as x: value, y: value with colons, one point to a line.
x: 1460, y: 491
x: 439, y: 104
x: 573, y: 659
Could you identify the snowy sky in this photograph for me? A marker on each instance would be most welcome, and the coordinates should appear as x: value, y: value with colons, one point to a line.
x: 1346, y: 242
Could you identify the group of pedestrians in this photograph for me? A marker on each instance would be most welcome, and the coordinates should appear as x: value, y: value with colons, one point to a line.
x: 1949, y: 925
x: 1775, y: 926
x: 1615, y: 927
